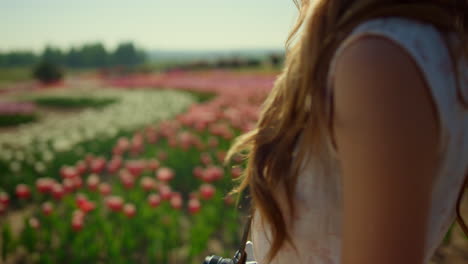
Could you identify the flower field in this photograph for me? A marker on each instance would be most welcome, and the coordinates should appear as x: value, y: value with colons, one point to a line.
x: 130, y: 184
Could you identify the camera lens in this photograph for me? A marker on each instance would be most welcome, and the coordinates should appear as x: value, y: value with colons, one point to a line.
x: 217, y: 260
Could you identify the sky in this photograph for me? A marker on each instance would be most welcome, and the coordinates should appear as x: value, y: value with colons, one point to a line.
x: 150, y: 24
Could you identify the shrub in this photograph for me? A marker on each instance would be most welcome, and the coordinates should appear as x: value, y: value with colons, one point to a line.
x: 47, y: 72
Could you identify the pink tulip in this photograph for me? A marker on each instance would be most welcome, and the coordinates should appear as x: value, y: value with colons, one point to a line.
x: 44, y: 185
x: 77, y: 222
x: 93, y: 182
x: 68, y: 172
x: 198, y: 172
x: 105, y: 188
x: 148, y: 183
x: 68, y: 185
x: 58, y: 191
x: 78, y: 182
x: 47, y: 208
x: 212, y: 173
x: 129, y: 210
x: 207, y: 191
x: 165, y: 192
x: 127, y: 179
x: 114, y: 164
x: 165, y: 174
x: 176, y: 202
x: 4, y: 198
x: 22, y: 191
x: 153, y: 164
x: 236, y: 172
x: 194, y: 206
x: 81, y: 167
x: 34, y: 223
x: 154, y: 200
x: 98, y: 165
x: 206, y: 159
x: 115, y: 203
x: 80, y: 199
x: 135, y: 167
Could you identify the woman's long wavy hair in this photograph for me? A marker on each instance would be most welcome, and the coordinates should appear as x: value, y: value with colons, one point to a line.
x: 297, y: 104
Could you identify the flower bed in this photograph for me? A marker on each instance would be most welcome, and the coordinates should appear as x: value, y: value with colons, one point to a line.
x: 40, y: 148
x: 159, y: 196
x: 14, y: 113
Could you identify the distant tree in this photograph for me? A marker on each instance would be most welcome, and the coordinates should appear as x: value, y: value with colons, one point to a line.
x: 127, y: 55
x: 275, y: 60
x: 47, y: 72
x: 73, y: 58
x: 53, y: 55
x: 17, y: 59
x: 94, y: 55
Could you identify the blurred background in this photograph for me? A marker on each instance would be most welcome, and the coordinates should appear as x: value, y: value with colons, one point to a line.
x: 115, y: 117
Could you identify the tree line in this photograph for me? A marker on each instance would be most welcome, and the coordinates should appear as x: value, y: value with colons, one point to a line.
x: 93, y: 55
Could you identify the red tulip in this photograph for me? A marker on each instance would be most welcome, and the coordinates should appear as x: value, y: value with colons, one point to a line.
x: 207, y: 191
x: 105, y: 188
x: 44, y: 185
x: 154, y: 200
x: 57, y: 191
x: 79, y: 198
x: 87, y: 206
x: 22, y: 191
x: 115, y: 203
x: 93, y: 182
x: 165, y: 174
x: 194, y: 206
x: 34, y: 223
x: 47, y: 208
x: 212, y: 173
x: 68, y: 172
x: 135, y: 167
x: 4, y: 198
x: 129, y: 210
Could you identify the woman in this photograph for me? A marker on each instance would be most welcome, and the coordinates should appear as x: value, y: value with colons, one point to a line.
x: 361, y: 149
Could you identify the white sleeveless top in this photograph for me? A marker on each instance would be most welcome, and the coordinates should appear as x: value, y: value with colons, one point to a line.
x: 317, y: 229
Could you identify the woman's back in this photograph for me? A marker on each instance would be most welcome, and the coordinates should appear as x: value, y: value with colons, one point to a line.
x: 317, y: 229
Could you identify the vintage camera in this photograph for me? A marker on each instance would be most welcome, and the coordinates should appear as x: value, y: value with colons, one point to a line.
x: 213, y: 259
